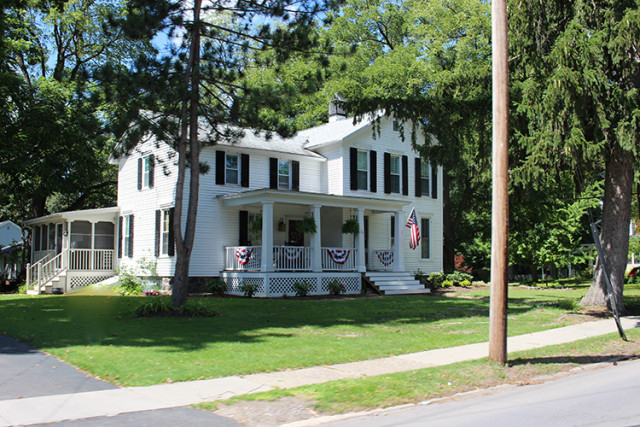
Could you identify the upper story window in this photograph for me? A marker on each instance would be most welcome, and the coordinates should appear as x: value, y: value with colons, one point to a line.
x: 395, y: 174
x: 363, y: 170
x: 145, y: 171
x: 232, y: 169
x: 284, y: 175
x: 425, y: 182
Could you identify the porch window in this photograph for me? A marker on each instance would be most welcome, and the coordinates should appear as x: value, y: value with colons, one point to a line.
x: 395, y: 174
x: 284, y: 175
x: 425, y: 184
x: 425, y: 238
x: 103, y: 238
x: 43, y: 235
x: 232, y: 169
x: 126, y: 235
x: 81, y: 235
x: 363, y: 170
x: 52, y: 236
x: 36, y: 238
x: 164, y: 235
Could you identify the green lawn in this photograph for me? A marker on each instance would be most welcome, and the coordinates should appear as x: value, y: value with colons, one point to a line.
x: 97, y: 333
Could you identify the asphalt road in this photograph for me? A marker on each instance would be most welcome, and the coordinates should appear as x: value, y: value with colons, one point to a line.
x: 608, y: 396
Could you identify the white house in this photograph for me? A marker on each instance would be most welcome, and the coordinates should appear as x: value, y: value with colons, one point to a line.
x: 10, y: 245
x: 250, y: 202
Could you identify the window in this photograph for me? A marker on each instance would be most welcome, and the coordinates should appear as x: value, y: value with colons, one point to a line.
x: 36, y: 238
x: 363, y: 170
x: 395, y: 174
x: 232, y: 169
x: 126, y: 235
x: 284, y: 176
x: 425, y: 173
x: 164, y: 232
x: 393, y: 231
x: 146, y: 172
x: 103, y: 237
x: 80, y: 235
x: 425, y: 240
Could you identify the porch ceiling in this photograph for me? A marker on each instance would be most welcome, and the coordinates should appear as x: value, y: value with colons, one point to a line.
x: 258, y: 197
x: 102, y: 214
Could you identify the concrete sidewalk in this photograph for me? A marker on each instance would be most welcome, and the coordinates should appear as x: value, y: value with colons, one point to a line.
x: 97, y: 403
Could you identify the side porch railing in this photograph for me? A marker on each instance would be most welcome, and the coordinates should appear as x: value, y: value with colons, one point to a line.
x: 381, y: 260
x: 48, y: 268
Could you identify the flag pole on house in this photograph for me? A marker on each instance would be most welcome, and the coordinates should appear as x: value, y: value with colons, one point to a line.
x: 412, y: 223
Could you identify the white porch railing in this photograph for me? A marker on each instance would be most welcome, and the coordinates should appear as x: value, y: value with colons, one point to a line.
x: 381, y: 260
x: 339, y: 259
x: 43, y: 256
x: 292, y: 258
x: 91, y: 259
x: 247, y: 258
x: 44, y: 271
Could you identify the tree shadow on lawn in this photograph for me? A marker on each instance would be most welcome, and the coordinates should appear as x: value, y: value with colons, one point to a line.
x: 63, y: 321
x: 578, y: 360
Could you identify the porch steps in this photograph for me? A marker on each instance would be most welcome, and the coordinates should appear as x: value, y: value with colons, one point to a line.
x: 58, y: 281
x: 396, y: 283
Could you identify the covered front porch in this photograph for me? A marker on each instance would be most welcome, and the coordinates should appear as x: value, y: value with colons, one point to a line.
x: 273, y: 254
x: 71, y: 250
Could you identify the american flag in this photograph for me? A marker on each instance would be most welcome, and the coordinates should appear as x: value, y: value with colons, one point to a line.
x: 412, y: 223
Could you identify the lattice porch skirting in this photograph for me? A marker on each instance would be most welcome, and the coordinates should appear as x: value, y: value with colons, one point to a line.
x: 278, y: 284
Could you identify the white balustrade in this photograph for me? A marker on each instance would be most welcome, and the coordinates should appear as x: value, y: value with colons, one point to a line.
x: 381, y: 260
x: 339, y: 259
x: 91, y: 259
x: 243, y: 258
x: 292, y: 258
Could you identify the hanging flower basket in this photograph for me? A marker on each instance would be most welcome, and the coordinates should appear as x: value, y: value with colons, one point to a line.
x: 307, y: 225
x: 351, y: 226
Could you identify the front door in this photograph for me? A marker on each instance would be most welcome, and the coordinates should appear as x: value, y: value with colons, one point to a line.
x: 295, y: 237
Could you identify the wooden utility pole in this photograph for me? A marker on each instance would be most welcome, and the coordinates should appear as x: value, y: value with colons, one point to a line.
x: 500, y: 197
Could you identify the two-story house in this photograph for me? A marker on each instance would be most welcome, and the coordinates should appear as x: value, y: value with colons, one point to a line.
x: 256, y: 193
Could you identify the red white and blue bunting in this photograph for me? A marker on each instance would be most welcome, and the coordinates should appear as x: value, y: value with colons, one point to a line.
x: 243, y: 255
x: 292, y: 254
x: 385, y: 257
x: 339, y: 256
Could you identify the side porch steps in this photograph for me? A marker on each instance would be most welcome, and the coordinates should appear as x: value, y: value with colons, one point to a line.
x: 395, y: 283
x: 57, y: 282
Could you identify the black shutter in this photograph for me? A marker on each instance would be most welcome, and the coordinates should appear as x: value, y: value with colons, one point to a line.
x: 405, y: 176
x: 243, y: 237
x: 140, y: 173
x: 295, y: 175
x: 434, y: 180
x: 373, y: 172
x: 172, y: 235
x: 120, y: 237
x: 152, y: 167
x: 156, y: 250
x: 244, y: 170
x: 273, y: 173
x: 353, y: 167
x: 219, y: 167
x: 130, y: 254
x: 418, y: 176
x: 387, y: 173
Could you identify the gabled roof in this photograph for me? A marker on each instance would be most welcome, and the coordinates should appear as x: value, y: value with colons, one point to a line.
x: 330, y: 133
x: 9, y: 222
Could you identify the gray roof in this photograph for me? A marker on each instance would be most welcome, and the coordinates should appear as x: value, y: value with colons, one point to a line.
x: 330, y: 133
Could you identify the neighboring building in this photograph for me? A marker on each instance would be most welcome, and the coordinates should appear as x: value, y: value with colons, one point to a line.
x: 250, y: 204
x: 10, y: 246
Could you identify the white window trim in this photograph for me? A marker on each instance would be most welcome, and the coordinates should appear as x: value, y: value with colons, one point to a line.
x: 366, y: 156
x: 237, y: 156
x: 422, y: 239
x: 425, y: 166
x: 164, y: 220
x: 288, y: 175
x: 146, y: 171
x: 126, y: 232
x: 393, y: 157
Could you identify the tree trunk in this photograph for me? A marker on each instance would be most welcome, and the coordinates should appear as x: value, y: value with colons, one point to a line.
x: 534, y: 273
x: 614, y: 235
x: 39, y: 204
x: 189, y: 124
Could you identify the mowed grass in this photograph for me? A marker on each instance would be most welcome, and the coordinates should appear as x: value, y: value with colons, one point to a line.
x: 98, y: 333
x: 424, y: 384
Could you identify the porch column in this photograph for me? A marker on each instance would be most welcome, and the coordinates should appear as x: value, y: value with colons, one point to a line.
x: 398, y: 252
x: 316, y: 241
x: 267, y: 236
x: 360, y: 262
x: 92, y: 258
